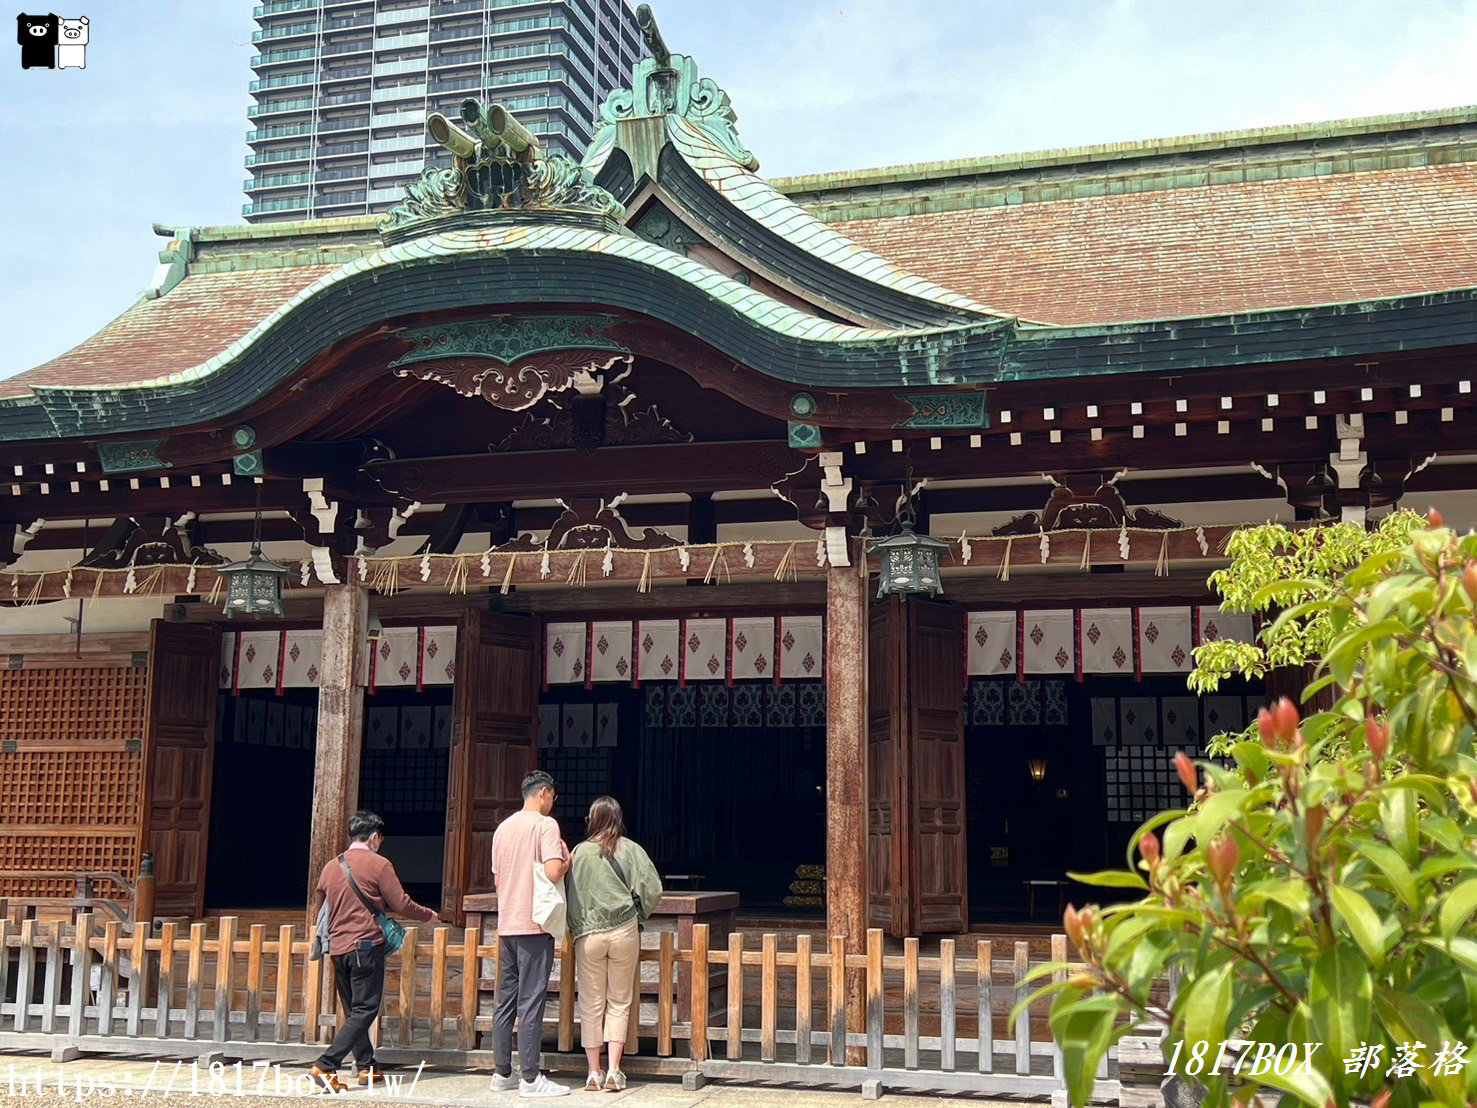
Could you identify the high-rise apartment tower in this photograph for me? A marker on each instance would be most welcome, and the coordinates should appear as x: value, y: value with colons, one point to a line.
x: 343, y: 88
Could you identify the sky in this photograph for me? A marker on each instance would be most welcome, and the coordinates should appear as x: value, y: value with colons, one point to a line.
x: 153, y: 130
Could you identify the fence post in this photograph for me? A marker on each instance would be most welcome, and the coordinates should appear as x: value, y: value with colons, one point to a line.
x: 438, y: 986
x: 471, y: 966
x: 735, y: 996
x: 948, y: 1026
x: 984, y: 975
x: 25, y: 971
x: 768, y: 995
x: 258, y: 936
x: 193, y: 969
x: 566, y: 992
x: 665, y: 972
x: 802, y: 998
x: 5, y: 930
x: 138, y: 957
x: 283, y: 998
x: 107, y: 991
x: 406, y: 1000
x: 875, y: 998
x: 1059, y: 955
x: 81, y: 974
x: 51, y: 990
x: 837, y: 993
x: 1021, y: 967
x: 697, y: 1043
x: 225, y: 958
x: 910, y: 1004
x: 166, y: 981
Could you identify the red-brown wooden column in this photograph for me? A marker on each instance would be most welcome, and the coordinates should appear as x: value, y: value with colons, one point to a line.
x: 846, y: 770
x: 340, y: 725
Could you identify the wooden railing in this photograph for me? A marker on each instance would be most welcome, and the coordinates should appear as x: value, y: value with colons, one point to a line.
x: 931, y: 1022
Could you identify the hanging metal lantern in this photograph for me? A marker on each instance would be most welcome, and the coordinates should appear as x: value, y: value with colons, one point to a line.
x: 254, y: 587
x: 910, y: 563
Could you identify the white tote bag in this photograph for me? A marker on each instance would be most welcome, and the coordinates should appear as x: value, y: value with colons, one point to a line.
x: 549, y: 909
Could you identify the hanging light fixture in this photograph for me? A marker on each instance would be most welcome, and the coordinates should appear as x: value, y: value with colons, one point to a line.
x: 910, y: 562
x: 254, y: 586
x: 1037, y: 768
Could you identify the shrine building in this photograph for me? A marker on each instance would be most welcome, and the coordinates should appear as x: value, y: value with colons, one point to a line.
x: 582, y: 466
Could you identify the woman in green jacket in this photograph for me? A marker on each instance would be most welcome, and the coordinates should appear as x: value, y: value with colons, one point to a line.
x: 612, y: 887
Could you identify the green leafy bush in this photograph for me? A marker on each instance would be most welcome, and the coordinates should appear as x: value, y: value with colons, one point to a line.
x: 1323, y: 889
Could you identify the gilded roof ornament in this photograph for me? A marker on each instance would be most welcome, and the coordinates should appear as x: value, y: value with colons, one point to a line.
x: 498, y: 167
x: 668, y: 84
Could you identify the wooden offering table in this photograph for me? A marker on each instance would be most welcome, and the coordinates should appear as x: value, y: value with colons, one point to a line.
x: 678, y: 912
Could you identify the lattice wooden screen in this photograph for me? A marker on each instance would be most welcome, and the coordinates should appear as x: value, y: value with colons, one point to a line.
x: 71, y: 787
x: 80, y: 704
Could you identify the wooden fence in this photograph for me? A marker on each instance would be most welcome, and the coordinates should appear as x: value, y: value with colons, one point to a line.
x: 937, y: 1022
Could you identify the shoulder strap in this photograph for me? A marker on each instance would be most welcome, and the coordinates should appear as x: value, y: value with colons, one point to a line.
x: 619, y: 872
x: 373, y: 911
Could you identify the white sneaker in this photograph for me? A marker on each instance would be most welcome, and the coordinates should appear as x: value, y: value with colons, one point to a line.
x: 615, y: 1081
x: 594, y: 1082
x: 541, y: 1087
x: 501, y: 1084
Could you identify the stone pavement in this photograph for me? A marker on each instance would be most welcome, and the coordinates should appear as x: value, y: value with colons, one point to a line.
x: 139, y: 1084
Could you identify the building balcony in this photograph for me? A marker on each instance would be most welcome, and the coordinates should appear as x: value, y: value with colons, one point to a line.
x: 399, y: 142
x: 399, y: 119
x: 348, y: 21
x: 272, y: 157
x: 267, y: 134
x: 280, y: 107
x: 469, y: 57
x: 337, y: 199
x: 354, y: 123
x: 281, y: 57
x: 342, y: 173
x: 282, y: 6
x: 391, y: 43
x: 458, y: 34
x: 456, y: 7
x: 404, y: 15
x: 394, y: 69
x: 286, y: 81
x: 287, y: 204
x: 285, y: 31
x: 344, y: 74
x: 277, y: 181
x: 338, y: 49
x: 398, y: 92
x: 339, y: 149
x: 361, y: 96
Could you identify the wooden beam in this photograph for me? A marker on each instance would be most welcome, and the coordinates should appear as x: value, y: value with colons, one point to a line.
x: 670, y: 468
x: 340, y: 728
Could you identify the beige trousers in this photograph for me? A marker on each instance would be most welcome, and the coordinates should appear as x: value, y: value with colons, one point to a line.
x: 605, y: 974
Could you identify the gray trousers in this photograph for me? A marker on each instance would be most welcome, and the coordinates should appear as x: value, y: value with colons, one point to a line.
x: 524, y: 962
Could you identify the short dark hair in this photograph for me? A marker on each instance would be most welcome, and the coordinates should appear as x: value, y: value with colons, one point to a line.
x: 364, y: 824
x: 535, y: 781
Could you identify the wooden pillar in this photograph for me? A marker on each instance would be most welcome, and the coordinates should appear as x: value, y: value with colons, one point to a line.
x: 340, y: 726
x: 846, y: 770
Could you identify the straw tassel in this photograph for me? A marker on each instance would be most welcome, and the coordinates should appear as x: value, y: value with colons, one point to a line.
x: 34, y: 597
x: 215, y: 592
x: 719, y: 559
x: 507, y: 585
x: 577, y: 571
x: 1161, y: 567
x: 787, y: 567
x: 1086, y: 551
x: 644, y: 585
x: 456, y: 580
x: 1003, y: 573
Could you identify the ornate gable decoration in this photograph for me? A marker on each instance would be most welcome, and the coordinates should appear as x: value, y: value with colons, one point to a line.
x: 668, y: 84
x: 513, y: 361
x: 499, y: 171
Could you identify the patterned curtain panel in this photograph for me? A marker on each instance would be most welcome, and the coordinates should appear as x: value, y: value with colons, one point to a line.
x: 403, y: 656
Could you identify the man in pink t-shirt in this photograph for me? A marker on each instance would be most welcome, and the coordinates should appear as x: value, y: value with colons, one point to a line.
x: 526, y: 951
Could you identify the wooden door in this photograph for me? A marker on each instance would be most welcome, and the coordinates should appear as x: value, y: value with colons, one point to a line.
x: 887, y: 854
x: 178, y: 752
x: 494, y: 743
x: 939, y: 889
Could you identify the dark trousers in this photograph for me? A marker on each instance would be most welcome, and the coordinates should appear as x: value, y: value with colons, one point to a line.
x: 524, y: 962
x: 359, y: 977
